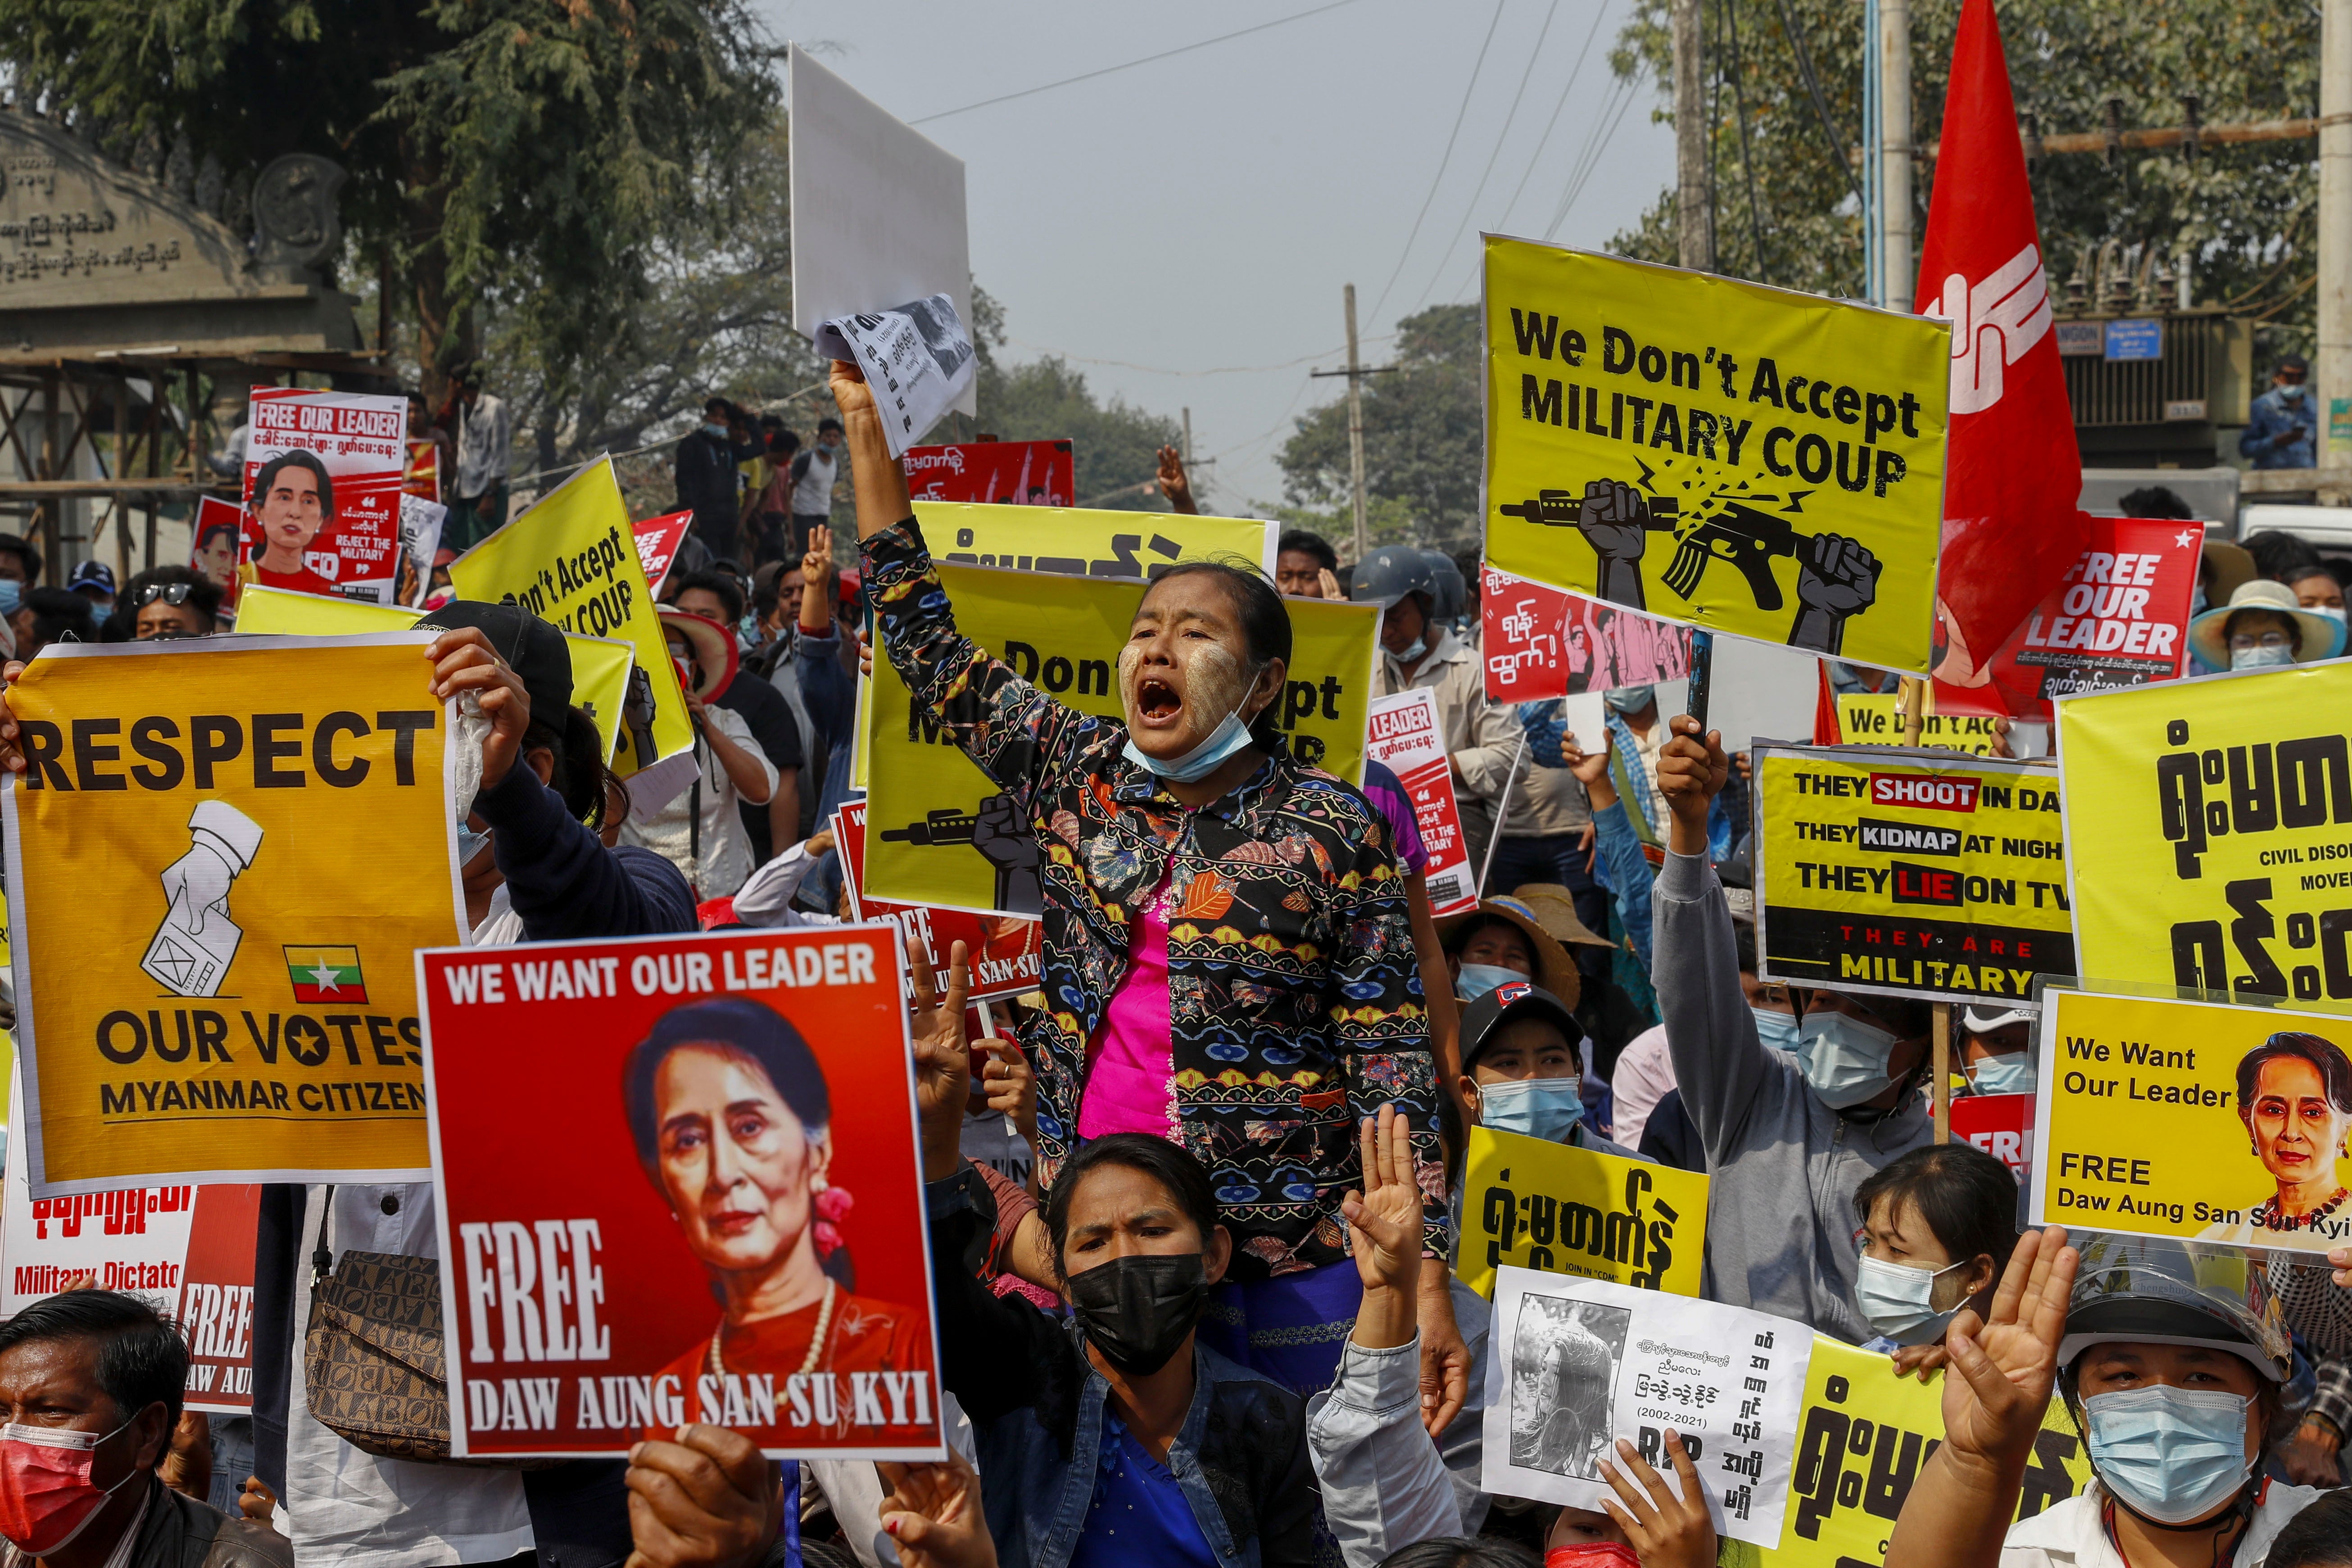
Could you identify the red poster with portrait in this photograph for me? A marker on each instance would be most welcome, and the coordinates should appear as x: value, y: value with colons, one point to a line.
x: 1008, y: 473
x: 1540, y: 643
x: 216, y: 546
x: 679, y: 1180
x: 1006, y: 953
x: 323, y: 476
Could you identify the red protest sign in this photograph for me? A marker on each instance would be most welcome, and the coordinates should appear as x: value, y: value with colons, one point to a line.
x: 1008, y: 473
x: 1540, y: 643
x: 658, y: 542
x: 2001, y: 1125
x: 1005, y: 952
x: 422, y: 477
x: 187, y: 1250
x: 1404, y: 736
x: 217, y: 545
x: 709, y: 1207
x: 323, y: 473
x: 2118, y: 617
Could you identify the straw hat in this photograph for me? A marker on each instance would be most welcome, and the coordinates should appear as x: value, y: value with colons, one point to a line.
x: 2322, y: 637
x: 2233, y: 565
x: 1554, y: 971
x: 1554, y: 908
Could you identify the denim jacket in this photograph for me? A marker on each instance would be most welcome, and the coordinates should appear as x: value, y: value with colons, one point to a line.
x: 1037, y: 1406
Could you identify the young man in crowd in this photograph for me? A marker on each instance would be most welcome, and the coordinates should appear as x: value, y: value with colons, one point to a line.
x: 775, y: 827
x: 706, y: 485
x: 166, y: 602
x: 814, y: 472
x: 1305, y: 565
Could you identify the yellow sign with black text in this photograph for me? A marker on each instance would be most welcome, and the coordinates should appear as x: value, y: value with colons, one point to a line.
x: 941, y: 833
x: 1863, y: 1436
x: 270, y: 819
x: 2211, y: 820
x: 2143, y: 1128
x: 1073, y: 541
x: 1537, y: 1204
x: 1875, y: 719
x: 1910, y: 873
x: 1734, y: 457
x: 573, y: 560
x: 599, y: 666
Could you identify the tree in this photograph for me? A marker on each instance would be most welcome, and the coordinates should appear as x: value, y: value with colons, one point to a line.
x: 2243, y: 215
x: 1423, y: 435
x: 520, y: 155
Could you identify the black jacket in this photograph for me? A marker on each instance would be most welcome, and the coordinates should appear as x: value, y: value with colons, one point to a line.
x: 180, y: 1531
x: 705, y: 474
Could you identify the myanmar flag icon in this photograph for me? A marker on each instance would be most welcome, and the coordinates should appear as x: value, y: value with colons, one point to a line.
x: 325, y: 974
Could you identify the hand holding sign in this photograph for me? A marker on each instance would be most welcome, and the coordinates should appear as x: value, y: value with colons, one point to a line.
x: 707, y: 1501
x: 1669, y: 1526
x: 943, y: 1064
x: 1692, y: 771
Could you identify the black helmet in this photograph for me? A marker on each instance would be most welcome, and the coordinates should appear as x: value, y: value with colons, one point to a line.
x: 1453, y: 593
x: 1392, y: 572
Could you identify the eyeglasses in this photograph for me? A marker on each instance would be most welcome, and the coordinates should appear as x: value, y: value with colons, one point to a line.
x: 2241, y: 642
x: 175, y: 594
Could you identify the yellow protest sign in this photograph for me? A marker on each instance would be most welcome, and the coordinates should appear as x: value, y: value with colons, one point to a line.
x: 1735, y: 457
x: 2208, y: 818
x: 573, y: 560
x: 1865, y: 1435
x: 2194, y: 1120
x: 1537, y: 1204
x: 1914, y: 873
x: 599, y: 666
x: 1875, y: 719
x: 271, y: 819
x: 1072, y: 541
x: 942, y: 833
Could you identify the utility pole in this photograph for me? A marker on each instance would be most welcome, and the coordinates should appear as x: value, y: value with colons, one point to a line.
x: 1693, y: 203
x: 1897, y: 266
x: 1356, y: 420
x: 1188, y: 438
x: 2335, y: 366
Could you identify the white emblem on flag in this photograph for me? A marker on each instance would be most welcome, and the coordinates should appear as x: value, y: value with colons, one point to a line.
x: 1993, y: 323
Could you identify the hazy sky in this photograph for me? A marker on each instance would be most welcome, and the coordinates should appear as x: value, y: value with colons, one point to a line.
x: 1160, y: 224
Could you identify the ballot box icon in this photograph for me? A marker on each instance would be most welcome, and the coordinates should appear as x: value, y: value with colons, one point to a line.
x: 192, y: 950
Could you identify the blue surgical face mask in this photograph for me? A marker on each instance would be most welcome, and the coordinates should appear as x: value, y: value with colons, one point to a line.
x: 12, y: 595
x: 1477, y: 979
x: 471, y: 843
x: 2010, y: 1073
x: 1778, y: 1030
x: 1414, y: 650
x: 1843, y: 1058
x: 2260, y: 657
x: 2291, y: 391
x: 712, y: 427
x: 2172, y: 1454
x: 1897, y: 1301
x: 1544, y: 1108
x: 1203, y: 760
x: 1628, y: 699
x: 2333, y: 612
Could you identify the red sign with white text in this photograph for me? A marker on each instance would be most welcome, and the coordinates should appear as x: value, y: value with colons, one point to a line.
x: 323, y: 474
x: 2118, y: 617
x: 1404, y: 736
x: 2001, y: 1125
x: 218, y: 542
x: 1005, y: 952
x: 1541, y: 643
x: 713, y: 1211
x: 1008, y: 473
x: 658, y: 542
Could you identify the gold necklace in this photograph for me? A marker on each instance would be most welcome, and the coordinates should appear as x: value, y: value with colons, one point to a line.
x: 817, y: 1341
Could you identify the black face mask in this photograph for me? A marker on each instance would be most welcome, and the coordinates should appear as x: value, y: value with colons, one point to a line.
x: 1137, y: 1309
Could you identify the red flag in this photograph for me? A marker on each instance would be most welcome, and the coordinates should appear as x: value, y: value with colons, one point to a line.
x: 2013, y: 473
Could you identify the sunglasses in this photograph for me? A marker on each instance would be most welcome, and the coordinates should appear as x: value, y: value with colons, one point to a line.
x: 175, y: 594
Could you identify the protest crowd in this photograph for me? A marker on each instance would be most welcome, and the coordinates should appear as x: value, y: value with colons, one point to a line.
x: 1324, y: 1056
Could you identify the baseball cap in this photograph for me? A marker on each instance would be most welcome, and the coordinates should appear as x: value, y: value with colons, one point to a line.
x: 1483, y: 1020
x: 1985, y: 1020
x: 95, y: 574
x: 531, y: 647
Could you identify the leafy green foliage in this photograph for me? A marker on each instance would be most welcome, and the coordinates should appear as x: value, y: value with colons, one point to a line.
x: 1422, y: 439
x: 2244, y: 213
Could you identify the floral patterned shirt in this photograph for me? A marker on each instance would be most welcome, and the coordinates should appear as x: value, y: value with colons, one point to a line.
x: 1294, y: 999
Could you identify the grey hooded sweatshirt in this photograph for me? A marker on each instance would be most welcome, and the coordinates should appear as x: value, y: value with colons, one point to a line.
x: 1783, y: 1166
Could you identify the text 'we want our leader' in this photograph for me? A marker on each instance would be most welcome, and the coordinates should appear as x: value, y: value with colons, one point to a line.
x: 496, y: 980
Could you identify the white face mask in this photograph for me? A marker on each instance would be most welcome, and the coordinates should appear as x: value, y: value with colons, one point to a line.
x: 1843, y: 1058
x: 1897, y: 1299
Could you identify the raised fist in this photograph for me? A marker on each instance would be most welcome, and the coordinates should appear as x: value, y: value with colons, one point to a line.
x: 1611, y: 518
x: 1837, y: 578
x: 1004, y: 841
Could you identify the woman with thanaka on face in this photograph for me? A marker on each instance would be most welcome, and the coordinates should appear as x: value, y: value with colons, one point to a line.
x: 1937, y: 1227
x: 1226, y: 943
x: 2170, y: 1361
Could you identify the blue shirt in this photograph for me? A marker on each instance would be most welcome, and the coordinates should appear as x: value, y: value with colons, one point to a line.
x: 2274, y: 414
x: 1138, y: 1515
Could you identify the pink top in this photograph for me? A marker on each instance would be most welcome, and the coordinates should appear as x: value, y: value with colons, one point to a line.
x: 1129, y: 1087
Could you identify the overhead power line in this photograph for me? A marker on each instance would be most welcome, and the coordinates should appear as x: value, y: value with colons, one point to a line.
x: 1131, y: 65
x: 1487, y: 173
x: 1437, y: 178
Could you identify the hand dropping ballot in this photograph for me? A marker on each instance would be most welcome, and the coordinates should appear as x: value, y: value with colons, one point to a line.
x: 1578, y: 1363
x: 197, y: 941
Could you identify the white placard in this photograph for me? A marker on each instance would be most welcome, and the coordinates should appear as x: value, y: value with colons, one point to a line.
x: 1575, y: 1365
x: 877, y: 208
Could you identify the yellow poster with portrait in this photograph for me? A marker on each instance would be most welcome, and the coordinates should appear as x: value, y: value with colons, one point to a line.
x: 2197, y: 1121
x: 1717, y: 453
x: 2209, y: 823
x: 1861, y: 1442
x: 941, y: 833
x: 270, y: 819
x: 599, y: 666
x: 1532, y: 1204
x: 573, y: 560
